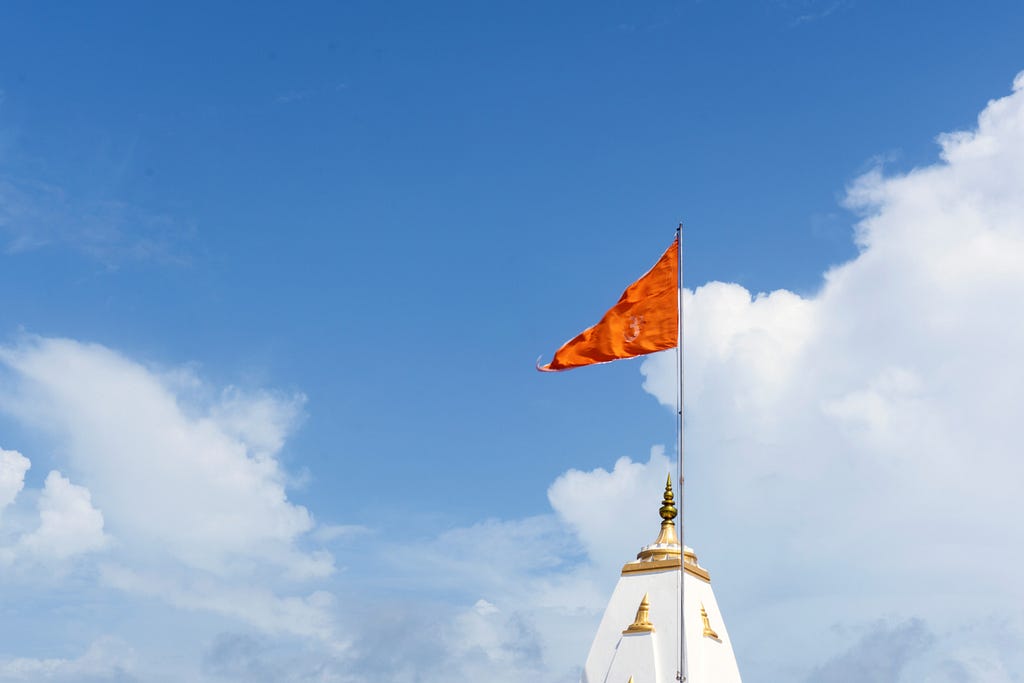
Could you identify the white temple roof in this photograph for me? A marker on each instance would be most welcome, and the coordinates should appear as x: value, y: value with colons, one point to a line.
x: 638, y: 636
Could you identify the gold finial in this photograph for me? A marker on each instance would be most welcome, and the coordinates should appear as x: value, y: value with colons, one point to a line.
x: 667, y: 543
x: 668, y: 509
x: 630, y: 680
x: 642, y: 622
x: 708, y: 631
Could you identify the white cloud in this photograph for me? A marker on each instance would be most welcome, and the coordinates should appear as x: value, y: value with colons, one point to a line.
x: 198, y: 483
x: 68, y: 523
x: 309, y: 616
x: 107, y: 659
x: 189, y: 487
x: 261, y: 420
x: 602, y: 508
x: 483, y: 641
x: 869, y: 432
x: 13, y: 466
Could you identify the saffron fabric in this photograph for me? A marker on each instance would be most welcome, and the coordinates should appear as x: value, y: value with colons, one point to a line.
x: 645, y: 320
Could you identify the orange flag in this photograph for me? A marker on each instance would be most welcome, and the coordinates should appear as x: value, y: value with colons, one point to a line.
x: 645, y: 320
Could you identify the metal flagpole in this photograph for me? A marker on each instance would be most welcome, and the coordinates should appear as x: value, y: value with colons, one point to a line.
x: 681, y: 675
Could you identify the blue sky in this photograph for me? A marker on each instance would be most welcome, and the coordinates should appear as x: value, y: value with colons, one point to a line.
x: 368, y: 220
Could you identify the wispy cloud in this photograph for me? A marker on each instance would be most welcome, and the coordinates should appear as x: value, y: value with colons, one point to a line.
x: 292, y: 96
x: 36, y: 215
x: 808, y: 11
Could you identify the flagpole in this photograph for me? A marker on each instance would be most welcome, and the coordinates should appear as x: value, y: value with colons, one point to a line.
x: 681, y: 674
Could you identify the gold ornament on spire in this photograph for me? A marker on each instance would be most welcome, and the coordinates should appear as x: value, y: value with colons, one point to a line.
x: 642, y: 622
x: 666, y: 546
x: 708, y: 631
x: 668, y: 509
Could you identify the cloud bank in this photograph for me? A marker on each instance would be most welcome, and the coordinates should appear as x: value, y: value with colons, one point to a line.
x: 178, y: 491
x: 869, y: 432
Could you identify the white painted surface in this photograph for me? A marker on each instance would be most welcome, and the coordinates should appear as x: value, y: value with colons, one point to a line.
x: 636, y: 656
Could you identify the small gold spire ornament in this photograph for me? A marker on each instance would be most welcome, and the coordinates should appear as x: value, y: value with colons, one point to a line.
x: 662, y: 548
x: 668, y: 509
x: 708, y: 631
x: 642, y: 622
x: 668, y: 513
x: 630, y: 680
